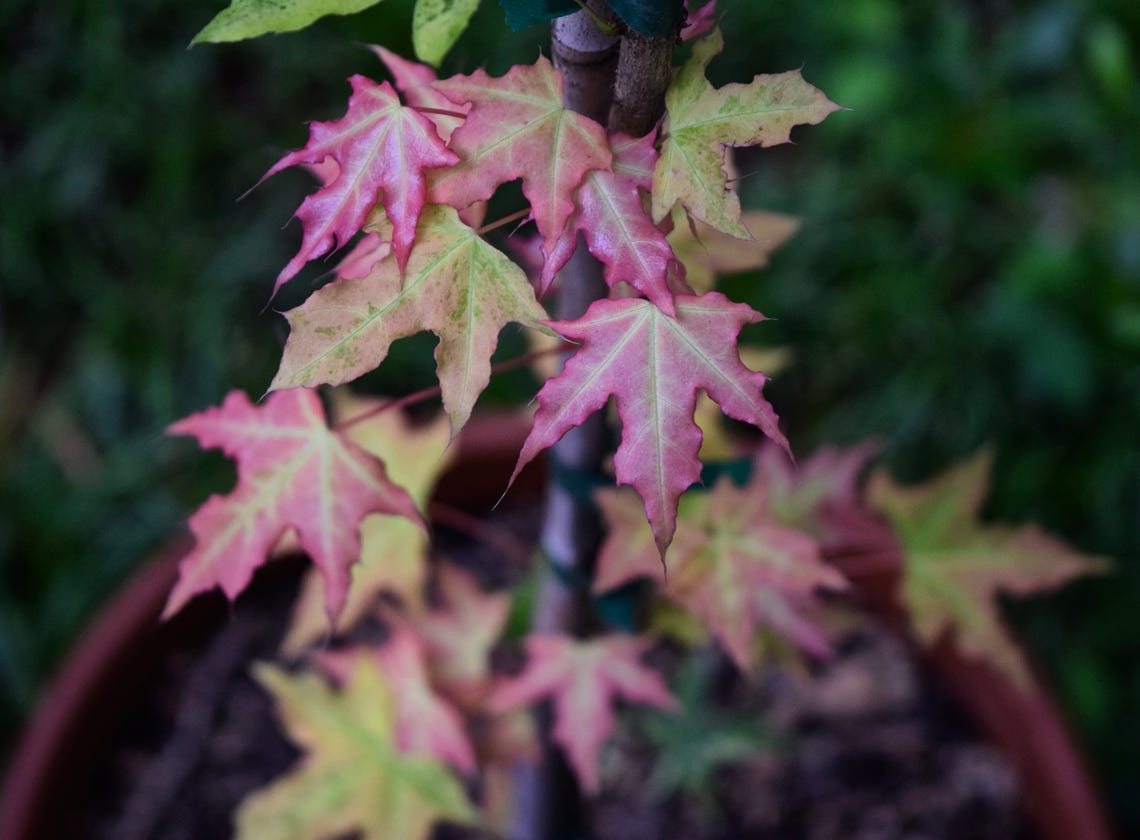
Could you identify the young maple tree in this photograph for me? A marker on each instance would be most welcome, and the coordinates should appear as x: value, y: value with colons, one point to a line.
x: 404, y: 178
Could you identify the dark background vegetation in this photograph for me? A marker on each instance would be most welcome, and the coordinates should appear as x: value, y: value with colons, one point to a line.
x: 968, y: 272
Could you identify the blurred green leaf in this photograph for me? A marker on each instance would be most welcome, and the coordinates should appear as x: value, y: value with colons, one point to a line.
x: 1110, y: 59
x: 244, y: 19
x: 699, y: 739
x: 437, y: 25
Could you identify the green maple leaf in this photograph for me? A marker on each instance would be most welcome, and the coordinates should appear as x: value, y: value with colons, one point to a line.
x: 455, y: 285
x: 703, y: 121
x: 352, y: 779
x: 954, y: 567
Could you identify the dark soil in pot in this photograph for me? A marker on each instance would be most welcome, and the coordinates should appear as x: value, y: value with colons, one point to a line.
x: 868, y: 748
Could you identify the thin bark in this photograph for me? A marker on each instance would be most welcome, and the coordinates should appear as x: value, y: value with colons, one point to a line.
x: 644, y: 69
x: 549, y: 802
x: 572, y: 527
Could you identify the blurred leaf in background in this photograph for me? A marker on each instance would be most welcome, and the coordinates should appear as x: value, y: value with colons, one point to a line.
x: 968, y: 271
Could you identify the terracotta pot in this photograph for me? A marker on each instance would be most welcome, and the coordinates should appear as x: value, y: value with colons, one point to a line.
x: 1054, y: 779
x: 122, y: 647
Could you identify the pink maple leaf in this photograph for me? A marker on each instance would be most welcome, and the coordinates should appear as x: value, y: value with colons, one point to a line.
x: 293, y: 471
x: 459, y: 634
x: 732, y: 565
x: 583, y: 679
x: 416, y: 82
x: 425, y: 723
x: 653, y: 365
x: 358, y: 262
x: 381, y: 148
x: 699, y: 22
x: 821, y: 495
x: 612, y: 219
x: 517, y: 128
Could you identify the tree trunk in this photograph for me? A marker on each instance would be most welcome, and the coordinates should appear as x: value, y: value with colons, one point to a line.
x: 549, y: 802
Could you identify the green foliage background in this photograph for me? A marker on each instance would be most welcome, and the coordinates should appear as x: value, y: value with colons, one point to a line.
x: 968, y: 271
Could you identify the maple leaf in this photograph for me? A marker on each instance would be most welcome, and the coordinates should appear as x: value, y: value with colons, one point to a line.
x: 292, y: 472
x: 353, y: 779
x: 707, y: 253
x: 617, y: 230
x: 416, y: 82
x: 393, y: 551
x: 583, y: 678
x: 699, y: 22
x: 424, y: 724
x: 718, y: 441
x: 954, y: 567
x: 367, y: 251
x: 381, y: 149
x: 459, y: 633
x: 653, y: 365
x: 820, y: 496
x: 517, y: 128
x: 455, y: 284
x: 731, y: 565
x: 702, y: 121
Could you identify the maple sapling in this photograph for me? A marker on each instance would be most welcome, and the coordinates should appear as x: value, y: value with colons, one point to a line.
x: 401, y: 734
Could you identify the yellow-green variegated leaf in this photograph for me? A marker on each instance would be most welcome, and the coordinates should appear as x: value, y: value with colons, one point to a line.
x: 703, y: 121
x: 954, y: 567
x: 352, y: 779
x: 455, y: 284
x: 244, y: 19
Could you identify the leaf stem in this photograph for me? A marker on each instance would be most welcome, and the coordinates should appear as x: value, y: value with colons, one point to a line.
x: 423, y: 109
x: 506, y: 220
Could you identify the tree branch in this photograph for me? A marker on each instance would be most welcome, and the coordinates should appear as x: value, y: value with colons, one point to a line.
x: 644, y: 69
